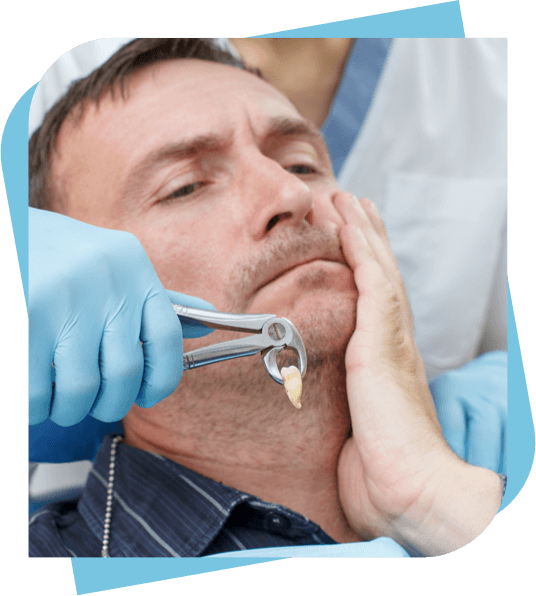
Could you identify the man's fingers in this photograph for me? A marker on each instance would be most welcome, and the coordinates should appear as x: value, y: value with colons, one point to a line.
x: 370, y: 277
x: 364, y: 214
x: 378, y: 303
x: 382, y: 329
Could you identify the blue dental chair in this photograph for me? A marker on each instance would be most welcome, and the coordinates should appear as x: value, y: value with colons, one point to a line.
x: 49, y: 443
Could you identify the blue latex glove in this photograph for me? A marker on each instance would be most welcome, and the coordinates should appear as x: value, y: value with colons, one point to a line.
x: 472, y: 409
x: 93, y: 297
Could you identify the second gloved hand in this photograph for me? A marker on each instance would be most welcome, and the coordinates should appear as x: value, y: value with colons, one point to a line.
x: 94, y: 299
x: 472, y: 405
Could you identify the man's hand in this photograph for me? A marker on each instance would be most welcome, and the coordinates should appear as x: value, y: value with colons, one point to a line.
x: 397, y: 475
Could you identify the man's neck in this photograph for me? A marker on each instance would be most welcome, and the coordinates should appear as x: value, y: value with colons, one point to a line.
x: 310, y: 491
x: 235, y: 425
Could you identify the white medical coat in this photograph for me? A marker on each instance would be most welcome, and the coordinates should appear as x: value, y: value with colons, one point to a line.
x: 432, y: 156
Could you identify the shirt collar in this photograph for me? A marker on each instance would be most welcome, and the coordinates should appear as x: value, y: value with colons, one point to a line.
x: 160, y: 508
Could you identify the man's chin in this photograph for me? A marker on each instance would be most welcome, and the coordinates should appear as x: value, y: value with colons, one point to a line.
x: 319, y: 298
x: 325, y: 325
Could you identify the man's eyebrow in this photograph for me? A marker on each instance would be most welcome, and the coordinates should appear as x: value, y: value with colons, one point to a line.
x: 282, y: 127
x: 285, y: 127
x: 170, y: 153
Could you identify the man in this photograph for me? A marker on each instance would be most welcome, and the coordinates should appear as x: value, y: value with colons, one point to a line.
x: 230, y: 191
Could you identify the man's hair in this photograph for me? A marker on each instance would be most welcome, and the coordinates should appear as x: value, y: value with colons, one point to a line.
x: 115, y: 72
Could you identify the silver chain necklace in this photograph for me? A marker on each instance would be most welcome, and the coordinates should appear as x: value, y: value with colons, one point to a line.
x: 109, y: 497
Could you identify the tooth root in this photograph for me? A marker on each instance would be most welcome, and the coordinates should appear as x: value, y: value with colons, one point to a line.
x: 293, y: 385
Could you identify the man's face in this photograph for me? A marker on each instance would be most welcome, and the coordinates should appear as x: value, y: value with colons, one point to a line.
x: 227, y: 187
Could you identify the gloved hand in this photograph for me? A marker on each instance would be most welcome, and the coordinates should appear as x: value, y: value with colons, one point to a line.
x: 471, y: 407
x: 93, y: 297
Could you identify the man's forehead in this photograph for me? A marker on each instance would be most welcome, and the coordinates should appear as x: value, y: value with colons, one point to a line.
x: 182, y: 98
x: 200, y: 91
x: 210, y: 83
x: 194, y: 71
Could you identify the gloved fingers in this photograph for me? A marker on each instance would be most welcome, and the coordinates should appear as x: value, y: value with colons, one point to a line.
x: 40, y: 374
x: 484, y: 438
x: 162, y: 346
x: 121, y: 370
x: 39, y: 393
x: 489, y: 362
x: 503, y: 459
x: 161, y: 335
x: 451, y: 417
x: 76, y: 362
x: 191, y: 328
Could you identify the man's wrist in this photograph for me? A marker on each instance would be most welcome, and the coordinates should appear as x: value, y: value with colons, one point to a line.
x: 457, y: 508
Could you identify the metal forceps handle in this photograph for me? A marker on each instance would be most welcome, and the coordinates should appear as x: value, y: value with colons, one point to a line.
x: 236, y: 348
x: 273, y: 334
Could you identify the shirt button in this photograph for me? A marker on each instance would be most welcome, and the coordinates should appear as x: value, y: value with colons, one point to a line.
x: 276, y: 522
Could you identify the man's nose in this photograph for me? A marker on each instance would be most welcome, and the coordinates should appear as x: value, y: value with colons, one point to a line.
x: 275, y: 197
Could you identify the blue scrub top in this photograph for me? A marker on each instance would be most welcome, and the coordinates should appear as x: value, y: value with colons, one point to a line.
x: 353, y: 97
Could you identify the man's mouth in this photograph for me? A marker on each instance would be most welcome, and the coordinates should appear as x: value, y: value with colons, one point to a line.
x: 294, y: 266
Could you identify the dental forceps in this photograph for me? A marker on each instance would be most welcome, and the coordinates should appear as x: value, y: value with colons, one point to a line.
x: 273, y: 335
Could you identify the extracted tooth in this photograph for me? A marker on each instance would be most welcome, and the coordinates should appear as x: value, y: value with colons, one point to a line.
x: 292, y: 381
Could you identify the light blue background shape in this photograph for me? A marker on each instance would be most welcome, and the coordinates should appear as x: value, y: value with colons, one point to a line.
x: 440, y: 20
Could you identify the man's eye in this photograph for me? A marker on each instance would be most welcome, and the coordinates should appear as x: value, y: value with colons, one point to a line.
x: 183, y: 191
x: 301, y: 169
